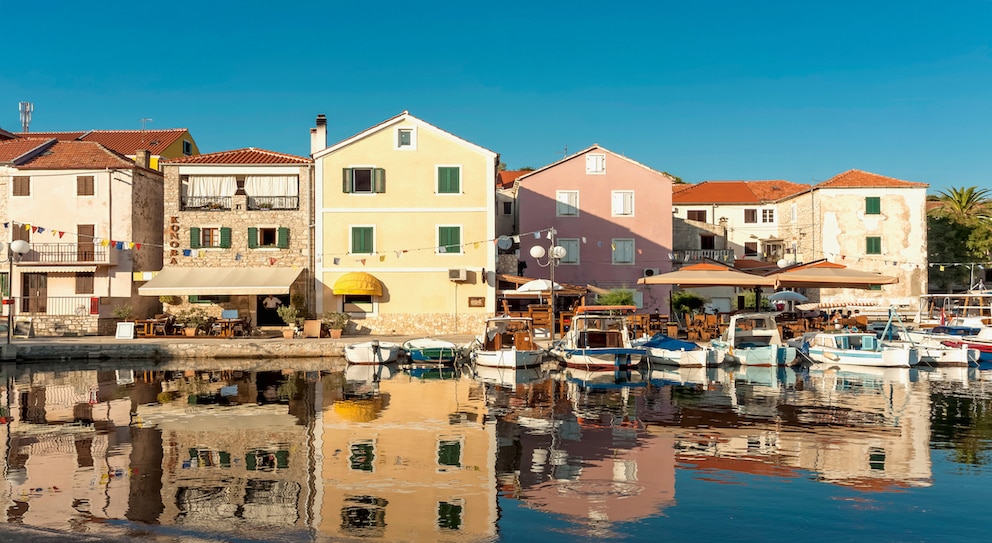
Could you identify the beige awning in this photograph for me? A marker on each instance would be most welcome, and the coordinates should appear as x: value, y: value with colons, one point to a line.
x: 57, y: 269
x: 220, y: 281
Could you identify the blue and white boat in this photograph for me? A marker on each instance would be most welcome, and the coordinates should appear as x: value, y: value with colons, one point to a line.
x: 599, y: 339
x: 753, y: 339
x: 861, y: 349
x: 665, y: 350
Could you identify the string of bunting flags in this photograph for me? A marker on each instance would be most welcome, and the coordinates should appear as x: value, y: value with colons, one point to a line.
x: 337, y: 258
x: 103, y: 242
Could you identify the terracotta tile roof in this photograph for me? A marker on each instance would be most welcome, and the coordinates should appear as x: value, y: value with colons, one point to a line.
x: 250, y: 155
x: 505, y: 178
x: 737, y: 192
x: 4, y: 135
x: 679, y: 187
x: 77, y: 155
x: 862, y: 179
x: 125, y: 142
x: 12, y: 150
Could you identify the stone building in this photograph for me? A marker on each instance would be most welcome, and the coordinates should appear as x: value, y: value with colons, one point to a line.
x: 237, y: 229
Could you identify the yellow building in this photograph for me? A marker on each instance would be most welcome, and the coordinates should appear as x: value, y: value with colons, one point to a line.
x: 405, y: 228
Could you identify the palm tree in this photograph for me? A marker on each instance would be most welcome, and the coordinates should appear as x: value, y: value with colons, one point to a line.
x: 965, y: 205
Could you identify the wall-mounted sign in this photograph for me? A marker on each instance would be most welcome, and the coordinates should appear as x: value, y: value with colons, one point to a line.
x: 477, y: 301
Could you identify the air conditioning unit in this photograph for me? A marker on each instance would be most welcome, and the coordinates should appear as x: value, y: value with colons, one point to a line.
x: 457, y: 274
x: 651, y: 272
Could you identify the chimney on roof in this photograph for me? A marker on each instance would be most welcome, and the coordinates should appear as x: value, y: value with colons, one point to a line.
x: 143, y: 158
x: 318, y: 135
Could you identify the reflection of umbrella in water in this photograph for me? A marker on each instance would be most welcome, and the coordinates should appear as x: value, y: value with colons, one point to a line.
x: 358, y: 410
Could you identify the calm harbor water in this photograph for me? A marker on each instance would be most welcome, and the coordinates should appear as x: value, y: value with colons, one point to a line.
x: 316, y: 450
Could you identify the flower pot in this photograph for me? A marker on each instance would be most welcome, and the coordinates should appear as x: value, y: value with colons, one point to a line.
x: 189, y: 331
x: 288, y: 334
x: 335, y: 333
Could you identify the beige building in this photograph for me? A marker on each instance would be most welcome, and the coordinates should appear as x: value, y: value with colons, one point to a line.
x: 405, y: 228
x: 237, y: 229
x: 93, y: 219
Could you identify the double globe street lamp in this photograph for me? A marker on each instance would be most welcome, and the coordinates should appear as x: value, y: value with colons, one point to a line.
x: 554, y: 253
x: 17, y: 248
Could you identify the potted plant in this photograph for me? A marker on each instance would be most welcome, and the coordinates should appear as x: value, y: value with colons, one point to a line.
x: 290, y: 314
x: 123, y: 312
x: 192, y: 319
x: 336, y: 322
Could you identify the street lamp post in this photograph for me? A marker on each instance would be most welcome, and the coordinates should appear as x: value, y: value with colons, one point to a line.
x: 554, y: 253
x: 17, y: 248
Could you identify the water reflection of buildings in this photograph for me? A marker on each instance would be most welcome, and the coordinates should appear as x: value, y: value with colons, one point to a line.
x: 857, y: 427
x: 574, y: 447
x: 413, y: 461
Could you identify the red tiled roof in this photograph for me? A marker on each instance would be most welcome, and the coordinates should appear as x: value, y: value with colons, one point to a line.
x: 11, y: 150
x: 736, y: 192
x: 4, y: 135
x: 862, y: 179
x: 77, y: 155
x: 505, y: 178
x: 125, y: 142
x: 250, y: 155
x: 679, y: 187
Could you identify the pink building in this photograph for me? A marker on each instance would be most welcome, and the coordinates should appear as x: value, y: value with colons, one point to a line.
x: 612, y: 215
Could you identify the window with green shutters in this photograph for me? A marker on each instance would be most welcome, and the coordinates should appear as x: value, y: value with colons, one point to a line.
x: 194, y: 237
x: 363, y: 180
x: 448, y: 179
x: 449, y: 239
x: 873, y: 245
x: 261, y: 237
x: 361, y: 240
x: 449, y: 453
x: 873, y: 205
x: 225, y: 238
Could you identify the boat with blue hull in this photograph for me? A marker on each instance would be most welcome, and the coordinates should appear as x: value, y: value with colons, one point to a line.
x: 432, y: 351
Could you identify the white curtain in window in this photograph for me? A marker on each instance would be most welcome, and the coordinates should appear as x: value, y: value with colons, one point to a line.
x: 272, y: 185
x: 212, y: 185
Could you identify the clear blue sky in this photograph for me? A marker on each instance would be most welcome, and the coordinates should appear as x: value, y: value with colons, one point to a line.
x: 702, y: 89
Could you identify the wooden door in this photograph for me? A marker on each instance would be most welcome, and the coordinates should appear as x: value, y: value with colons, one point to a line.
x: 84, y: 244
x: 34, y: 293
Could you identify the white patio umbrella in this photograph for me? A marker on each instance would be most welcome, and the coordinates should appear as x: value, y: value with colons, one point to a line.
x: 538, y: 285
x: 787, y: 296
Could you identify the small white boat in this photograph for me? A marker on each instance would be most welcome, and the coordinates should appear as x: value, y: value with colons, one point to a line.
x: 371, y: 352
x: 861, y: 349
x: 508, y: 342
x: 753, y: 339
x: 662, y: 349
x: 599, y: 339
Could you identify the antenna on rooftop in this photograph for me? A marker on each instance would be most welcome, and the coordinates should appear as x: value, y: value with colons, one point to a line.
x: 26, y: 108
x: 143, y: 121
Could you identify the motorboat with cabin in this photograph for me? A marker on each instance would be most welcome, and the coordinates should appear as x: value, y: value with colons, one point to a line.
x: 508, y: 342
x: 753, y: 339
x: 599, y: 339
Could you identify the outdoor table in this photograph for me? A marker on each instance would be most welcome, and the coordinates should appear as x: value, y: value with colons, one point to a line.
x: 225, y: 327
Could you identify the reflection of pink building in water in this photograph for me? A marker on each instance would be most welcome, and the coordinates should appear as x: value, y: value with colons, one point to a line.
x: 590, y: 465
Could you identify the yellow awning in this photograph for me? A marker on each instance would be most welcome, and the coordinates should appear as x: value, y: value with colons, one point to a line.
x: 220, y: 281
x: 357, y: 283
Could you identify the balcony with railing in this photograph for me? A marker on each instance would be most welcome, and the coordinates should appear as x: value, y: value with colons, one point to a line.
x: 698, y: 255
x: 273, y: 202
x: 46, y: 254
x: 207, y: 203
